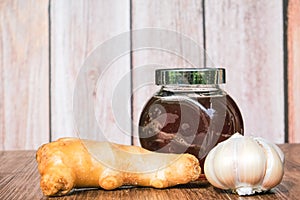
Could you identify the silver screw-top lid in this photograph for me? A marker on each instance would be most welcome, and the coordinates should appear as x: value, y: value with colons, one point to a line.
x: 189, y: 76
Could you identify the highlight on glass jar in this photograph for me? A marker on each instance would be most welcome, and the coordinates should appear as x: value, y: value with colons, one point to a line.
x: 190, y: 113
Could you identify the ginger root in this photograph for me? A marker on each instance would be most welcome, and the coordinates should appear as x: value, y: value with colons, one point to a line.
x: 73, y: 163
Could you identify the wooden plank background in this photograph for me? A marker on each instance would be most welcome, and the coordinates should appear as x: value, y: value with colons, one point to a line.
x: 250, y: 47
x: 24, y: 74
x: 77, y: 28
x: 47, y: 42
x: 294, y: 70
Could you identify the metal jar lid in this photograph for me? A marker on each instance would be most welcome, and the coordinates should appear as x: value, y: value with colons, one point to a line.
x: 189, y: 76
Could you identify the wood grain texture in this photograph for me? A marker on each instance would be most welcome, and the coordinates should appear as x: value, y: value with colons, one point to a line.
x: 17, y: 173
x: 183, y: 17
x: 77, y: 28
x: 246, y: 37
x: 24, y: 74
x: 293, y: 37
x: 19, y: 179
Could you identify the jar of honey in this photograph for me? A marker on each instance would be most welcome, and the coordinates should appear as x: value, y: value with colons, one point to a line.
x: 190, y: 113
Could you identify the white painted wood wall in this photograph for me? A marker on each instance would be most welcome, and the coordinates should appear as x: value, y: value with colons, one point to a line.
x: 43, y: 45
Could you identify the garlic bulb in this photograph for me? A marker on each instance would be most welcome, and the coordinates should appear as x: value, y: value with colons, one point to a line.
x: 245, y: 165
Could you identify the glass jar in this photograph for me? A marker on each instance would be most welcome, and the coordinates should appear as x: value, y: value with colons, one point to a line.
x: 190, y: 113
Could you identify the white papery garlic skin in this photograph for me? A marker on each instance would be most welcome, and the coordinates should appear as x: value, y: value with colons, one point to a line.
x: 245, y: 165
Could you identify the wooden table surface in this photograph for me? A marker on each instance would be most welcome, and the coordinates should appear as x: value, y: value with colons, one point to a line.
x: 19, y: 179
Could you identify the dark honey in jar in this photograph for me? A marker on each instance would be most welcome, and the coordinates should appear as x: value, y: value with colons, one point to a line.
x: 190, y: 113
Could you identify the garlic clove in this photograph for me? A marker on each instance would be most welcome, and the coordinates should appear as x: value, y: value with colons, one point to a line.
x: 275, y: 160
x: 212, y: 176
x: 225, y: 174
x: 250, y: 163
